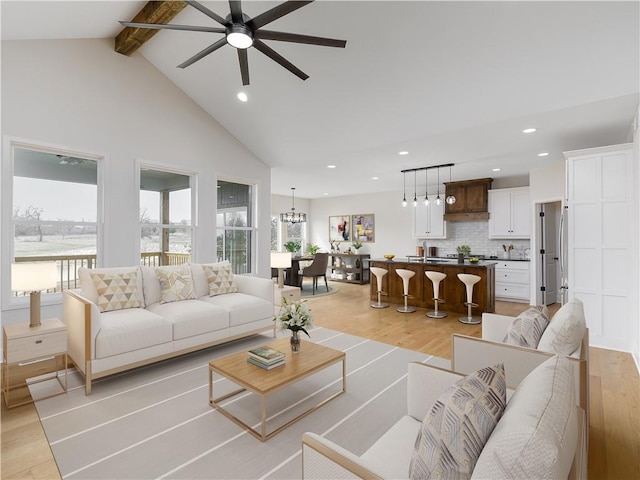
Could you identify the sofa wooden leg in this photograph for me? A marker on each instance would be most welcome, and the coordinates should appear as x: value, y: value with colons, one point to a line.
x: 87, y: 378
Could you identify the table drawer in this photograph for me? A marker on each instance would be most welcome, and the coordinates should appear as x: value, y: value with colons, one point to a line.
x: 512, y: 276
x: 512, y: 265
x: 36, y: 346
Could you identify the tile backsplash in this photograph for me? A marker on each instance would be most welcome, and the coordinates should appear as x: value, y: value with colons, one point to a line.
x: 476, y: 235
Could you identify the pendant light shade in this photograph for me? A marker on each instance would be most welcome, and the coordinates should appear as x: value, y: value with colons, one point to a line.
x: 293, y: 216
x: 415, y: 194
x: 438, y: 201
x: 450, y: 198
x: 426, y: 187
x: 404, y: 189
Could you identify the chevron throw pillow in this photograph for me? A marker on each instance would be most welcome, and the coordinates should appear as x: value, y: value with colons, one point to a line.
x: 116, y: 291
x: 220, y: 278
x: 528, y: 327
x: 458, y: 425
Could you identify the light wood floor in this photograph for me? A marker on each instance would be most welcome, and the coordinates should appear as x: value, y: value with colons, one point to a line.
x: 614, y: 450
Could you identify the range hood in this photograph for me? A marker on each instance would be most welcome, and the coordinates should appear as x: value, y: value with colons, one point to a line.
x: 472, y: 200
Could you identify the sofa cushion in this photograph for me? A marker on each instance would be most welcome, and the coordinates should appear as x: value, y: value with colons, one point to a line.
x: 392, y: 452
x: 456, y: 428
x: 88, y: 288
x: 538, y: 433
x: 175, y: 284
x: 130, y: 330
x: 527, y: 328
x: 116, y: 291
x: 192, y: 317
x: 220, y: 278
x: 200, y: 283
x: 566, y: 329
x: 242, y: 308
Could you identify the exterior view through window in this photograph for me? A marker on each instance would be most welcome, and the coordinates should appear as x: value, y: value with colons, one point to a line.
x: 234, y: 225
x: 55, y: 211
x: 165, y: 218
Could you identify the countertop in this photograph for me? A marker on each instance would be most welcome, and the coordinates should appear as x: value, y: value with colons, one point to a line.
x: 451, y: 262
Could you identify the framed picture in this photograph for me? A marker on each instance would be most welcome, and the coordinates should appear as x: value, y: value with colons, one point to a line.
x: 340, y: 228
x: 363, y: 226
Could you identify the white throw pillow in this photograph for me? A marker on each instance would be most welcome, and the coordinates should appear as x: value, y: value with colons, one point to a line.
x: 175, y: 284
x: 565, y: 331
x: 459, y: 423
x: 537, y: 435
x: 528, y: 327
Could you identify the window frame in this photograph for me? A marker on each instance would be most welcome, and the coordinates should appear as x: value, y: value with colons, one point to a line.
x: 7, y: 243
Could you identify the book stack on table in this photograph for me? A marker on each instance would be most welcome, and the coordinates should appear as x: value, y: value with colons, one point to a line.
x: 266, y: 357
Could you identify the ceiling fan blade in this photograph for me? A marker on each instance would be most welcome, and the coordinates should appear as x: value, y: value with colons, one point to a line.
x: 236, y: 11
x: 204, y: 53
x: 276, y: 57
x: 244, y: 65
x: 275, y: 13
x: 296, y: 38
x: 206, y: 11
x: 167, y: 26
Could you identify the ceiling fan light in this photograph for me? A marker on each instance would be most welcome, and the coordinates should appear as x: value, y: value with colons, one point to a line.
x: 239, y: 36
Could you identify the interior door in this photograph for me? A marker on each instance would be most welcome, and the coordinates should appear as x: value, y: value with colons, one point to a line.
x: 550, y: 250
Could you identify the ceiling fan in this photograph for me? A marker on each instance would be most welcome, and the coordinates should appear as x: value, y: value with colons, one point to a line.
x: 243, y: 32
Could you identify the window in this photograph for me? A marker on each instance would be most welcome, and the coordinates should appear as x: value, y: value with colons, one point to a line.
x: 55, y: 212
x: 235, y: 226
x: 166, y: 231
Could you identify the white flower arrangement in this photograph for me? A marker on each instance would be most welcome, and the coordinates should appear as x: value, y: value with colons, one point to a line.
x: 294, y: 316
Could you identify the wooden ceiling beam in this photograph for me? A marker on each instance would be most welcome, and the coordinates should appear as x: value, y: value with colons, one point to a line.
x: 131, y: 39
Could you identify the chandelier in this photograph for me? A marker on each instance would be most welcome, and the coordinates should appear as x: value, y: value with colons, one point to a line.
x: 292, y: 216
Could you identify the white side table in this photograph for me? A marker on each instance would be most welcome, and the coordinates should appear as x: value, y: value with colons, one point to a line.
x: 291, y: 294
x: 38, y: 353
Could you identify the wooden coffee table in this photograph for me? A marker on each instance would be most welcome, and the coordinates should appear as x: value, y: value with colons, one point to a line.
x: 311, y: 359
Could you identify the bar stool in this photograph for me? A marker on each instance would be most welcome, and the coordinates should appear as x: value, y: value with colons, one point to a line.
x: 469, y: 280
x: 436, y: 278
x: 405, y: 275
x: 379, y: 273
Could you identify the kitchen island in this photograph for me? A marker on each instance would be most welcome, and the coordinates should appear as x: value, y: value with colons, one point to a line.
x: 452, y: 290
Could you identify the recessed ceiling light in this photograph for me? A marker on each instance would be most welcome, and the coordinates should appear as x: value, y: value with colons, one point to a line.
x: 529, y: 130
x: 331, y: 166
x: 543, y: 154
x: 495, y: 170
x: 375, y: 178
x: 326, y: 193
x: 242, y: 97
x: 403, y: 152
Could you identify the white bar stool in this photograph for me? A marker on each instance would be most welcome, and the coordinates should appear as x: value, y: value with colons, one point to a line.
x: 379, y: 273
x: 405, y: 275
x: 436, y: 278
x: 469, y: 280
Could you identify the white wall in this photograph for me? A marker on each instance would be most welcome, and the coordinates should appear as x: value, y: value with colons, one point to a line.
x: 81, y: 95
x: 635, y: 316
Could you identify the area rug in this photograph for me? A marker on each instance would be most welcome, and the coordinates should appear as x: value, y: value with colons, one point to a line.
x: 156, y: 422
x: 307, y: 290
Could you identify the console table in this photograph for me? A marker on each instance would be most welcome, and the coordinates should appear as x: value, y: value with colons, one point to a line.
x: 349, y: 267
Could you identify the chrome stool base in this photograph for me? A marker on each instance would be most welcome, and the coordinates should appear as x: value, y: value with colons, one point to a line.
x: 379, y: 305
x: 470, y: 320
x: 406, y: 309
x: 436, y: 314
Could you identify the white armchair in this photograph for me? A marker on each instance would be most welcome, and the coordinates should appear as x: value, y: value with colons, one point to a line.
x: 390, y: 456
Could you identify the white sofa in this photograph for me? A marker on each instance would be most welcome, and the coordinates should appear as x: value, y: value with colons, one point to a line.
x: 542, y: 433
x: 469, y: 352
x: 102, y: 343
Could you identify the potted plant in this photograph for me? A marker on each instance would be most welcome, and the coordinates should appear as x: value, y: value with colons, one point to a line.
x: 357, y: 245
x: 292, y: 246
x: 296, y: 317
x: 312, y: 249
x: 462, y: 251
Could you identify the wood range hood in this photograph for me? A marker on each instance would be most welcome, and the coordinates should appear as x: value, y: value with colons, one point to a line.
x: 472, y: 200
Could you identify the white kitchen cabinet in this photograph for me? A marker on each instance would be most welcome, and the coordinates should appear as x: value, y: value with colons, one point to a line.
x: 510, y: 213
x: 429, y: 221
x: 512, y: 281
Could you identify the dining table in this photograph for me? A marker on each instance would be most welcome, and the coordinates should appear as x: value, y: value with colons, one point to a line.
x: 293, y: 275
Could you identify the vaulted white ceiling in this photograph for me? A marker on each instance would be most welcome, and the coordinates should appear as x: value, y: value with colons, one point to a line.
x: 451, y: 82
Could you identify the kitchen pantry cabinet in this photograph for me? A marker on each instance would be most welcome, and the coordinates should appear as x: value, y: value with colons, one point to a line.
x: 429, y: 221
x: 510, y: 213
x: 512, y: 281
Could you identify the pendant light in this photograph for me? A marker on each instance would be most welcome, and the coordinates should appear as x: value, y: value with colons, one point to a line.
x: 450, y: 198
x: 404, y: 197
x: 415, y: 197
x: 426, y: 187
x: 292, y: 216
x: 438, y: 201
